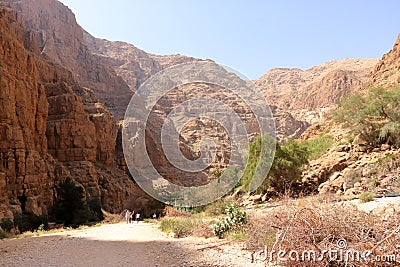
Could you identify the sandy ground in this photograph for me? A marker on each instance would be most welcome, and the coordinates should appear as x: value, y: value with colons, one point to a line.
x: 137, y: 244
x: 377, y: 203
x: 121, y: 244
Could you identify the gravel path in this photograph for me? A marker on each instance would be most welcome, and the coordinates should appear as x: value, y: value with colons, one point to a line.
x: 120, y: 245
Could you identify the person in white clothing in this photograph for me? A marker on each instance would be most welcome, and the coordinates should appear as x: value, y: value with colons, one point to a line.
x: 127, y: 216
x: 131, y: 217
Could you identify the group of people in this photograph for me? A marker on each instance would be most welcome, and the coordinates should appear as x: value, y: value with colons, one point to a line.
x: 129, y: 216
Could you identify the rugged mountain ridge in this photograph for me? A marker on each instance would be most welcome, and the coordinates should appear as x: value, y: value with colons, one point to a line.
x: 61, y: 38
x: 65, y: 91
x: 386, y: 72
x: 81, y: 134
x: 48, y: 133
x: 307, y: 94
x: 350, y: 168
x: 136, y: 66
x: 133, y: 64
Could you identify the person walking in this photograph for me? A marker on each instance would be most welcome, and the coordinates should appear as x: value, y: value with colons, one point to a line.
x: 127, y: 216
x: 137, y: 217
x: 131, y: 216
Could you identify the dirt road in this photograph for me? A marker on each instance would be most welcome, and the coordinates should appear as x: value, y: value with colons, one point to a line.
x: 119, y: 245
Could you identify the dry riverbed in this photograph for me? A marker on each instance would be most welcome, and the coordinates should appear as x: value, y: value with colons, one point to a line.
x: 120, y: 244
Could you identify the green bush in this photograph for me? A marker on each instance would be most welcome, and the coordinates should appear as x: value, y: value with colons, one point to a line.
x: 234, y: 219
x: 180, y: 226
x: 71, y: 210
x: 316, y: 147
x: 3, y: 234
x: 29, y: 222
x: 375, y: 117
x: 286, y: 167
x: 216, y: 208
x: 366, y: 197
x: 95, y: 212
x: 6, y: 224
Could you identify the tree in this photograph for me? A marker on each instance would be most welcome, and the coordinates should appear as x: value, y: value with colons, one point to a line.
x: 286, y: 167
x: 375, y: 116
x: 70, y: 209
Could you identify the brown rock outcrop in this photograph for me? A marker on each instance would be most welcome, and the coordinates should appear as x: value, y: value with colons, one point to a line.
x: 51, y: 128
x: 387, y: 71
x: 134, y: 65
x: 61, y: 38
x: 26, y: 169
x: 305, y: 94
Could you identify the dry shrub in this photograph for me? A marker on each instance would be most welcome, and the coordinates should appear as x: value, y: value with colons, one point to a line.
x: 318, y: 226
x: 172, y: 212
x: 179, y: 226
x: 204, y: 230
x: 113, y: 218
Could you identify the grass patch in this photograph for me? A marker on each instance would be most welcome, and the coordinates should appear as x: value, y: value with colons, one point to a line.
x: 3, y: 234
x: 180, y: 227
x: 217, y: 207
x: 318, y: 146
x: 366, y: 197
x: 237, y: 235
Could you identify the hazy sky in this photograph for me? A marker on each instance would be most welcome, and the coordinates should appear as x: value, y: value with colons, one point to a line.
x: 249, y: 36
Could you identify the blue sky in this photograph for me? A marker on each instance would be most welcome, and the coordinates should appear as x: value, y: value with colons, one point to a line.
x: 249, y: 36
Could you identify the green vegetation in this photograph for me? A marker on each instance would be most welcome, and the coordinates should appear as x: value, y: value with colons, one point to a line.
x: 71, y: 210
x: 238, y: 235
x: 235, y: 218
x: 375, y: 117
x: 216, y: 208
x: 6, y: 225
x: 318, y: 146
x: 3, y: 234
x: 180, y: 226
x: 217, y: 173
x: 29, y: 222
x: 286, y: 167
x: 366, y: 197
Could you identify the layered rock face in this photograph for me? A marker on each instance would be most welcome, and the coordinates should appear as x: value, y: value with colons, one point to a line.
x: 307, y: 94
x: 26, y: 169
x: 135, y: 66
x: 387, y: 71
x: 51, y: 129
x: 81, y: 134
x: 61, y: 38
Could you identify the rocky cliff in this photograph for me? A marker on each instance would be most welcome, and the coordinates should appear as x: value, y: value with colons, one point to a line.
x: 61, y: 38
x: 136, y: 66
x: 350, y: 168
x: 79, y: 94
x: 26, y: 169
x: 133, y: 64
x: 48, y: 131
x: 386, y: 72
x: 307, y: 94
x: 64, y: 92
